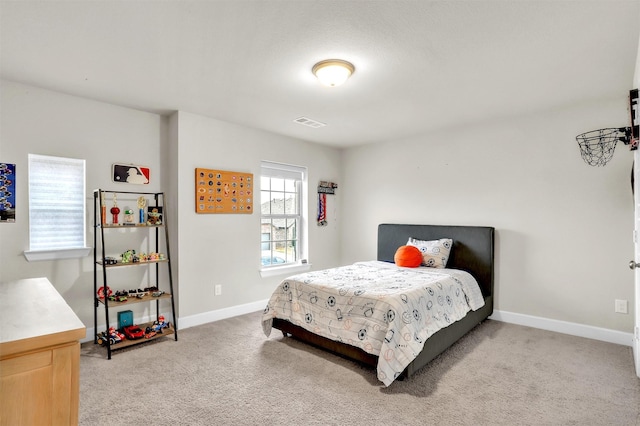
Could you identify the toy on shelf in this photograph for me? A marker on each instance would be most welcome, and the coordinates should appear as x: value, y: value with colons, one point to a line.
x: 102, y: 291
x: 129, y: 256
x: 120, y: 296
x: 154, y: 216
x: 115, y: 210
x: 133, y: 332
x: 141, y: 203
x: 103, y: 210
x: 128, y: 217
x: 157, y: 326
x: 139, y: 293
x: 114, y: 336
x: 151, y: 257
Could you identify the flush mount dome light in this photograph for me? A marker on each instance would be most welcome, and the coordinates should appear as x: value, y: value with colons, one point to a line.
x: 333, y: 72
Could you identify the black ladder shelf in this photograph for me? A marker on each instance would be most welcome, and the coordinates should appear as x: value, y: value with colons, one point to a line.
x: 136, y: 220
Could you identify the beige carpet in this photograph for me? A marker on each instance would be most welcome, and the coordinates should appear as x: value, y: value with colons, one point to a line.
x: 229, y: 373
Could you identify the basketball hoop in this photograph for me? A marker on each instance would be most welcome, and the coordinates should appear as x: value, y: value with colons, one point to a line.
x: 597, y: 146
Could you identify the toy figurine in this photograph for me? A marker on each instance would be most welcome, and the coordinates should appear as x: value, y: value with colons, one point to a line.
x: 154, y: 216
x: 115, y: 211
x: 129, y: 256
x: 113, y: 336
x: 128, y: 216
x: 102, y: 291
x: 157, y: 326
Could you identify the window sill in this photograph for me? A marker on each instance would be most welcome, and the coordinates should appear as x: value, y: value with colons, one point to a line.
x: 38, y: 255
x: 282, y: 270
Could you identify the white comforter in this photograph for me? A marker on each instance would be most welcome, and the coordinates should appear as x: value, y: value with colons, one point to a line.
x: 379, y: 307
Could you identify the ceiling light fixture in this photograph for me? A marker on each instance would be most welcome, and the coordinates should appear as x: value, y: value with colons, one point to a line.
x: 333, y: 72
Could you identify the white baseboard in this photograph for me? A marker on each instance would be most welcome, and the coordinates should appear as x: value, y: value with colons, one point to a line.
x: 571, y: 328
x: 211, y: 316
x: 574, y: 329
x: 198, y: 319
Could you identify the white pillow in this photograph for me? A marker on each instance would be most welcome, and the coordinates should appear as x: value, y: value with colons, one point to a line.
x: 434, y: 253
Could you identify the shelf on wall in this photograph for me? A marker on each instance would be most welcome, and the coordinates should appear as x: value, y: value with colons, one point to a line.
x: 125, y: 226
x: 166, y: 332
x: 142, y: 262
x: 133, y: 299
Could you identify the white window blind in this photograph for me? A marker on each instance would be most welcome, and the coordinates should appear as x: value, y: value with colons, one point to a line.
x: 285, y: 171
x: 56, y: 203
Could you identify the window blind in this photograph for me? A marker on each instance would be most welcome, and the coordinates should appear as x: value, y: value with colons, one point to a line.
x: 56, y: 203
x: 279, y: 170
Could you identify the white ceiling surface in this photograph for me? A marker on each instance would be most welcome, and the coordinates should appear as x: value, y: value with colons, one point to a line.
x: 420, y: 65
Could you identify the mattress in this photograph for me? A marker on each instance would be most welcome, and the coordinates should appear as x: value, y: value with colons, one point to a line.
x: 383, y: 309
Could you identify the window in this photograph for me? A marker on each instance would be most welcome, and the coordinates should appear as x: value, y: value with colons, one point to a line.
x: 283, y: 221
x: 57, y: 204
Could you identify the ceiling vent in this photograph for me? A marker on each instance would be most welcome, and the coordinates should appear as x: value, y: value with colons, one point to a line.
x: 309, y: 122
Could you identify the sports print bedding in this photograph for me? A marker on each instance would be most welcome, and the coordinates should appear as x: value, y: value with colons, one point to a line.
x: 385, y: 310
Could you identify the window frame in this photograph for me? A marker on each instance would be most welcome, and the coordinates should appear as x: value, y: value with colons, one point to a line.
x: 299, y: 173
x: 61, y: 251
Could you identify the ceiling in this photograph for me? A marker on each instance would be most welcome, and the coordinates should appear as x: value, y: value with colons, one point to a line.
x: 420, y: 65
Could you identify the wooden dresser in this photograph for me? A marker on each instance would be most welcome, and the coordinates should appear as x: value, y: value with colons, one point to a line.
x: 39, y: 355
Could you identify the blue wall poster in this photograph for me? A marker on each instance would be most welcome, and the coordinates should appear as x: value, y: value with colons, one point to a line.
x: 7, y: 192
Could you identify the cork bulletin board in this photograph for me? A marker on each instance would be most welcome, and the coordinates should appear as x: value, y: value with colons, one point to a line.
x: 222, y: 191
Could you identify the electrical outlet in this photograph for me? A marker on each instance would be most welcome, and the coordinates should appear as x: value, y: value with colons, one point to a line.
x: 622, y: 306
x: 218, y: 290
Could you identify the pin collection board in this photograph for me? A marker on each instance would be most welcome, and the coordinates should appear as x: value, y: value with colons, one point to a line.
x: 222, y: 191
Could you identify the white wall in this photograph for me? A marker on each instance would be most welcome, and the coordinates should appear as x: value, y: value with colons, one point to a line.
x: 206, y: 249
x: 564, y: 228
x: 39, y: 121
x: 636, y: 75
x: 225, y: 248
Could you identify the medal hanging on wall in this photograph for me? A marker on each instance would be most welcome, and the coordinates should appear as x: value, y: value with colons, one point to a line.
x: 322, y: 209
x: 324, y: 188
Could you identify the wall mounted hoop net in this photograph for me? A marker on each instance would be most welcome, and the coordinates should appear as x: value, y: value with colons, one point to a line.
x: 597, y: 146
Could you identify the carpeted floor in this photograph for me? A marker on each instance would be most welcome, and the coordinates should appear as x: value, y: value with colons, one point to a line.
x: 229, y: 373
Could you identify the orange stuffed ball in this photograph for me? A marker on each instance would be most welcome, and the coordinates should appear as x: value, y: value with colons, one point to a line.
x: 408, y: 256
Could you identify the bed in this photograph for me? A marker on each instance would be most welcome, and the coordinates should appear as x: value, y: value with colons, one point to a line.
x: 472, y: 254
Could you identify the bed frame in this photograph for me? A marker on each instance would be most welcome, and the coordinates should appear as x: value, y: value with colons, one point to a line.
x: 473, y: 251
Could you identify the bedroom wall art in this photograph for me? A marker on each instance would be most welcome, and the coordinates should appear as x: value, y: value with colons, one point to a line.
x: 222, y: 191
x: 7, y: 192
x: 324, y: 188
x: 131, y: 173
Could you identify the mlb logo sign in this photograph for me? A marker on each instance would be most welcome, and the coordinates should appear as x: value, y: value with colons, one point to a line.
x: 635, y: 118
x: 131, y: 173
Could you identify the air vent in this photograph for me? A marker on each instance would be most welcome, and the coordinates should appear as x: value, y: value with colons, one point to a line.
x: 309, y: 122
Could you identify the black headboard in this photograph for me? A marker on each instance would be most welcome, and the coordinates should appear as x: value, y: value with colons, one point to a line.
x: 473, y: 247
